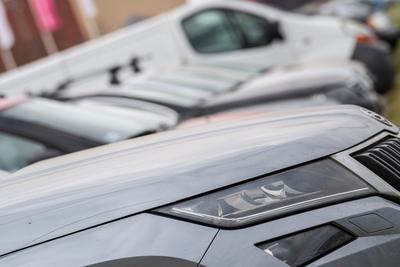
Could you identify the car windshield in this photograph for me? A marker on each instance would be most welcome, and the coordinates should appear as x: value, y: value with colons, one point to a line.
x: 94, y: 125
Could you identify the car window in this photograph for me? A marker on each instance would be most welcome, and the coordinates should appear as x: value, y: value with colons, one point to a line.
x: 255, y: 29
x: 216, y: 31
x: 18, y: 152
x: 212, y: 31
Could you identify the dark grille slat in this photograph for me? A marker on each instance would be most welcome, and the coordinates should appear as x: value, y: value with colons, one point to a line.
x: 375, y: 165
x: 383, y: 159
x: 394, y: 153
x: 388, y: 159
x: 396, y: 143
x: 393, y: 145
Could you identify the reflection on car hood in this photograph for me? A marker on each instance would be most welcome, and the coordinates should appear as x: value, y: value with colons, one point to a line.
x: 77, y: 191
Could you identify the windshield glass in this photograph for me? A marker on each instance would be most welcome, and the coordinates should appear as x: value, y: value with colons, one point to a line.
x: 94, y: 125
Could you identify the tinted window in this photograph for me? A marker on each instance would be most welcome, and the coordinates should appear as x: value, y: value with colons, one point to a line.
x: 215, y: 31
x: 255, y: 29
x: 17, y: 152
x: 212, y: 32
x: 94, y: 125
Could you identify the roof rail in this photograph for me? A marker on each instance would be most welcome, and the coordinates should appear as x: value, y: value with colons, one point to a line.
x: 113, y: 71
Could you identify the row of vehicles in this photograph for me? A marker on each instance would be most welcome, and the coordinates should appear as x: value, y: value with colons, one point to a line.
x: 89, y: 112
x: 259, y: 139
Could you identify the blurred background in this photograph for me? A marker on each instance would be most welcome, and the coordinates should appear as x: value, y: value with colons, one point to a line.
x: 102, y: 71
x: 394, y: 98
x: 38, y: 28
x: 34, y: 29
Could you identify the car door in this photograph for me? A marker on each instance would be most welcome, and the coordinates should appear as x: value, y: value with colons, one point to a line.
x: 224, y: 34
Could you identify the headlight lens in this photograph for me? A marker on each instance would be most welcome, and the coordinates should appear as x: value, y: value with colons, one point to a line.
x: 303, y: 187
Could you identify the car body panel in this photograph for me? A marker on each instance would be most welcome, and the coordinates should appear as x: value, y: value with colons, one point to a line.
x: 78, y: 191
x: 3, y: 175
x: 143, y: 236
x: 152, y: 84
x: 238, y: 248
x: 164, y: 98
x: 262, y: 109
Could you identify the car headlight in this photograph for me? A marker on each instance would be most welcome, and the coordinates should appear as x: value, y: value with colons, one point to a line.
x: 274, y: 195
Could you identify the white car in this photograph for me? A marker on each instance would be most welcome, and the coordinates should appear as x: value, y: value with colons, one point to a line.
x: 204, y: 89
x: 3, y: 175
x: 215, y: 31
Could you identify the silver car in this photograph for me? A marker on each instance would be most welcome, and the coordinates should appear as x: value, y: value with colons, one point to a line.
x: 316, y: 187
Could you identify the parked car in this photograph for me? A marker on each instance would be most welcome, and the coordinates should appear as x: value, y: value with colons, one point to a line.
x: 315, y: 187
x: 344, y: 84
x: 199, y: 90
x: 215, y: 31
x: 33, y: 129
x: 371, y: 13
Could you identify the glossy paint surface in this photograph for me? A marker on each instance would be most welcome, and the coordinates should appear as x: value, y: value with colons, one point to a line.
x: 78, y: 191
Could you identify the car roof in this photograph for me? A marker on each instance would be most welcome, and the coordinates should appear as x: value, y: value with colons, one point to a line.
x: 78, y: 191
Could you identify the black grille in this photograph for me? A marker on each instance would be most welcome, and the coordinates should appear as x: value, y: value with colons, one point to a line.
x: 383, y: 158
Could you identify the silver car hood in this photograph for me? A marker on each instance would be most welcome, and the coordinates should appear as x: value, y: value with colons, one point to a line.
x: 86, y: 189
